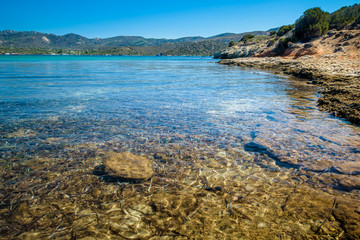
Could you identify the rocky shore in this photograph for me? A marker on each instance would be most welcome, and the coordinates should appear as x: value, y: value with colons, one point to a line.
x: 339, y: 79
x: 332, y: 62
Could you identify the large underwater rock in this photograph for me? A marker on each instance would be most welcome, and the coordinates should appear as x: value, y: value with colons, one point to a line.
x: 125, y: 167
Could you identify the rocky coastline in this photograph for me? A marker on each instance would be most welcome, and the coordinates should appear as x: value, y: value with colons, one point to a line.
x: 338, y: 77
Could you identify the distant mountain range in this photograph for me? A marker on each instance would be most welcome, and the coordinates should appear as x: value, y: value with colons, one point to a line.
x: 32, y: 39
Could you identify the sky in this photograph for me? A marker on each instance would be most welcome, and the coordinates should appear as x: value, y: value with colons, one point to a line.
x: 155, y: 18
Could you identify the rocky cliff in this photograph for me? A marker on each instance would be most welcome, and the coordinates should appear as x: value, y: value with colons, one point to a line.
x: 335, y: 44
x: 332, y: 62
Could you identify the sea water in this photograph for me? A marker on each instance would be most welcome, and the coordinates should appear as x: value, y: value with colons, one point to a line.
x: 235, y: 132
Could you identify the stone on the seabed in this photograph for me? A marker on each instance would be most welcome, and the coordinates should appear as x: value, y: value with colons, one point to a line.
x: 348, y: 168
x: 128, y: 167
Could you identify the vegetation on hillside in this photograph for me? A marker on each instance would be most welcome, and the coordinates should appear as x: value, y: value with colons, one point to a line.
x: 232, y: 43
x: 344, y: 17
x: 357, y: 21
x: 247, y: 38
x: 314, y: 23
x: 203, y: 48
x: 42, y: 43
x: 284, y: 30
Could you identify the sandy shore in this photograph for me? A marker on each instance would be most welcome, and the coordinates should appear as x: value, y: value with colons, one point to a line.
x: 338, y: 78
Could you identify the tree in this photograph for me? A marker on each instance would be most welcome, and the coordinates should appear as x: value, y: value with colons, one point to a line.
x: 345, y: 16
x: 314, y: 23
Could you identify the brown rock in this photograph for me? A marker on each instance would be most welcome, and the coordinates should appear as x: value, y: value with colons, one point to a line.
x: 126, y: 167
x: 345, y: 213
x: 348, y: 168
x: 339, y: 78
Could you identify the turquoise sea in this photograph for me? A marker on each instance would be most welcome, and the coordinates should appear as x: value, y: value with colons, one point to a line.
x: 240, y: 129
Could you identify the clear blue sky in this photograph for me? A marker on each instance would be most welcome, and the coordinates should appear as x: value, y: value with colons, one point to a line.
x: 155, y: 18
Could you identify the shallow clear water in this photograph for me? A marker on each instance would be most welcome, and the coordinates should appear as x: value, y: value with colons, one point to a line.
x: 110, y: 98
x: 184, y: 108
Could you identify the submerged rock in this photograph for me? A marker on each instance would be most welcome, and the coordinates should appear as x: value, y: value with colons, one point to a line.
x: 125, y: 167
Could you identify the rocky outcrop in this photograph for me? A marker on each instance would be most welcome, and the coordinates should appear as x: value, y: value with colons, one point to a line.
x: 344, y: 43
x: 246, y: 50
x: 45, y: 39
x: 332, y: 62
x: 125, y: 167
x: 339, y: 78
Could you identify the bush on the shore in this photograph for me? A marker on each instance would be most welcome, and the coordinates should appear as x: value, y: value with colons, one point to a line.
x: 282, y: 45
x: 314, y: 23
x: 232, y: 43
x: 356, y: 23
x: 284, y: 30
x: 272, y: 33
x: 270, y: 43
x: 247, y: 37
x: 344, y: 17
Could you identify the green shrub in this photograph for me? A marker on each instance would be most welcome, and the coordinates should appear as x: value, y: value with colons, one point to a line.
x: 314, y: 23
x: 345, y: 16
x: 284, y: 30
x: 272, y: 33
x: 247, y: 37
x: 282, y: 45
x: 231, y: 44
x: 270, y: 43
x: 357, y: 21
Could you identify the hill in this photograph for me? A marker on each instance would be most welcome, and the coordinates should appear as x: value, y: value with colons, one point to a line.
x: 321, y: 47
x: 300, y: 38
x: 31, y: 42
x: 227, y: 37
